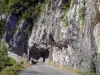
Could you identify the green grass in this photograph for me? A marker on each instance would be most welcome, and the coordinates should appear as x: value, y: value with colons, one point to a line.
x: 88, y: 73
x: 11, y: 70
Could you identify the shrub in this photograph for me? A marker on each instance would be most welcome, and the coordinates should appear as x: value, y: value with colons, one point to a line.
x: 66, y: 5
x: 74, y: 2
x: 42, y: 9
x: 3, y: 55
x: 82, y: 11
x: 12, y: 70
x: 66, y: 23
x: 10, y: 62
x: 9, y: 69
x: 2, y: 27
x: 4, y: 59
x: 48, y: 1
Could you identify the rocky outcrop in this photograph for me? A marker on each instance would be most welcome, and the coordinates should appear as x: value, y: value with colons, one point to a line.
x: 78, y: 36
x: 68, y: 29
x: 15, y: 35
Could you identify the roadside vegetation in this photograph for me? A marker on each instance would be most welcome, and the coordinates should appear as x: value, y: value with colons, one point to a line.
x: 88, y: 73
x: 8, y: 66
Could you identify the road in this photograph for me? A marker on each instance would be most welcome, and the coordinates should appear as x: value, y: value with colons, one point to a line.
x: 44, y: 69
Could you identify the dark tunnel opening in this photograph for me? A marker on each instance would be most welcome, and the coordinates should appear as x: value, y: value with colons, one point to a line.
x: 36, y: 54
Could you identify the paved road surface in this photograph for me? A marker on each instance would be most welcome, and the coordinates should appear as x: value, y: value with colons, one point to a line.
x: 44, y: 69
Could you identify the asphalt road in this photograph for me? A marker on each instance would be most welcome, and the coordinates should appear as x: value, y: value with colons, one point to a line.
x: 44, y: 69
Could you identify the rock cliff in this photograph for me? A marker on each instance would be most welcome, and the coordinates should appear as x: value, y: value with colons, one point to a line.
x: 68, y: 29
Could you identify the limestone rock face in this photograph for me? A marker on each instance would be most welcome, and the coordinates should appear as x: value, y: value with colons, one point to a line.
x: 80, y: 39
x: 70, y: 34
x: 15, y: 36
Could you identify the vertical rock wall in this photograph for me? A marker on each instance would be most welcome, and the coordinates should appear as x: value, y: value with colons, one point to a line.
x: 75, y: 27
x: 68, y: 29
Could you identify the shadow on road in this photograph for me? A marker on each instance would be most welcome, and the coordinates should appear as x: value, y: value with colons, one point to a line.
x: 34, y: 62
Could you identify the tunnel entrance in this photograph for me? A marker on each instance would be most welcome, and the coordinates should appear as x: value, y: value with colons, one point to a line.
x: 37, y: 53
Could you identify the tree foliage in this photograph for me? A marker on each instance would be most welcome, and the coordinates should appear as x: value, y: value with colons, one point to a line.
x: 4, y: 59
x: 22, y: 9
x: 3, y: 56
x: 2, y: 27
